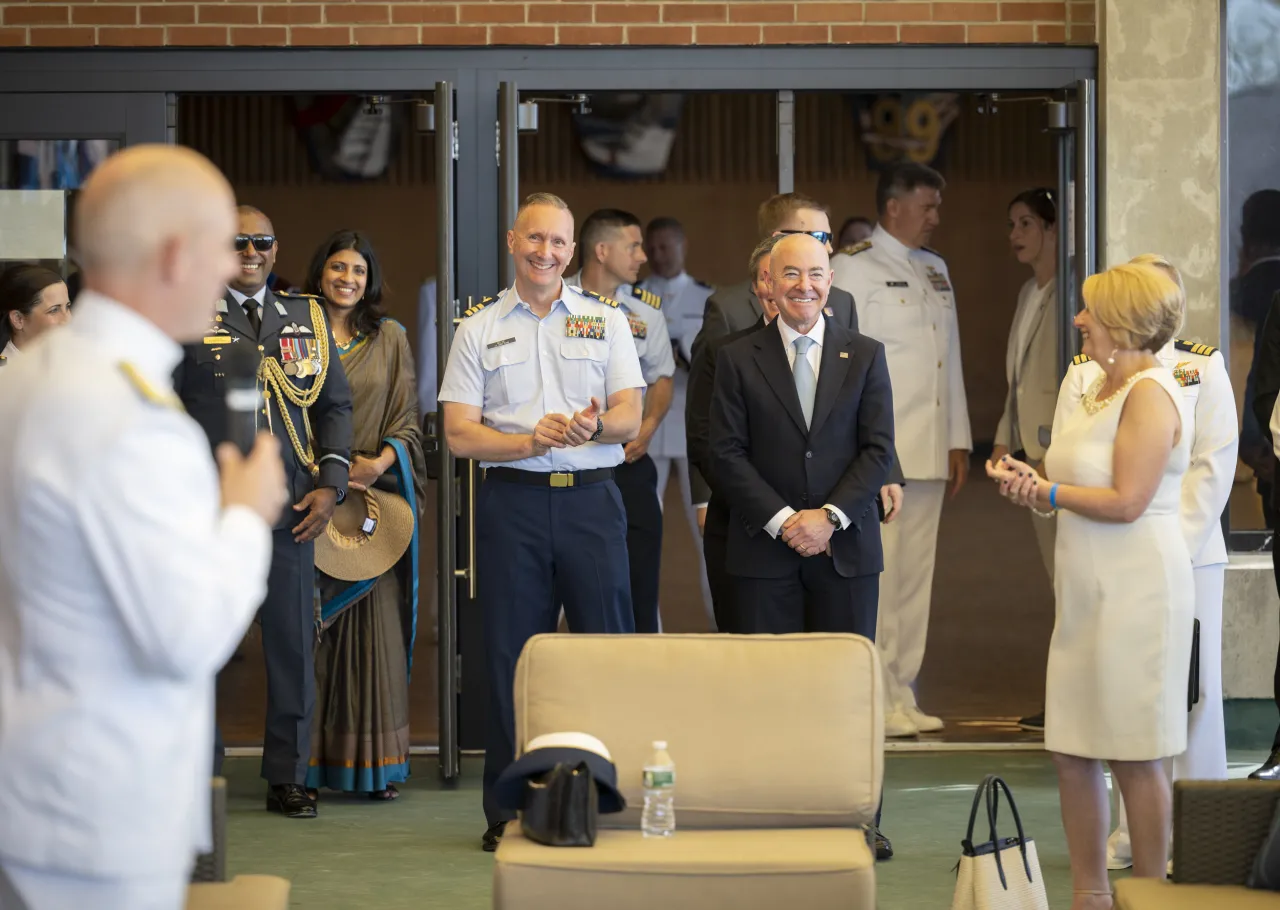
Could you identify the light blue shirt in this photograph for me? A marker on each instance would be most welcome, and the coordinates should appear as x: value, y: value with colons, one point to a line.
x: 518, y: 368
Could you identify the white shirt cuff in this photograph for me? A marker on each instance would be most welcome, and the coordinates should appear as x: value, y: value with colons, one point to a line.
x: 700, y: 505
x: 774, y: 527
x: 844, y: 519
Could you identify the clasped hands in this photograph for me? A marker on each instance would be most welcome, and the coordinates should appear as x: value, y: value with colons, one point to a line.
x: 808, y: 532
x: 555, y: 431
x: 1017, y: 480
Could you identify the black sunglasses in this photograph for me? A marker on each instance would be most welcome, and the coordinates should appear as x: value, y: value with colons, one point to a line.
x: 261, y: 242
x: 823, y: 237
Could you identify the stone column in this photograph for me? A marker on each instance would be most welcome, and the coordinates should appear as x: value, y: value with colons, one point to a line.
x: 1159, y: 103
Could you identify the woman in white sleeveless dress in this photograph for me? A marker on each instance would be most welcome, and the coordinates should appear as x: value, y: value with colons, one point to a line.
x: 1116, y: 686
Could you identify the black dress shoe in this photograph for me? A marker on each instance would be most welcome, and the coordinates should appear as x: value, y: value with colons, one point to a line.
x: 884, y: 849
x: 1270, y: 769
x: 493, y: 836
x: 1034, y: 723
x: 291, y: 801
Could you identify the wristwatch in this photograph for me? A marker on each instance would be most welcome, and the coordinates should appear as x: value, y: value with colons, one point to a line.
x: 833, y: 518
x: 599, y: 429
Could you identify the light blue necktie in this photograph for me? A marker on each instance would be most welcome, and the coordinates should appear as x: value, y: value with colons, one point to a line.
x: 806, y: 382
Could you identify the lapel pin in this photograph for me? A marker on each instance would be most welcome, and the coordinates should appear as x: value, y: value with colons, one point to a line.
x: 844, y: 355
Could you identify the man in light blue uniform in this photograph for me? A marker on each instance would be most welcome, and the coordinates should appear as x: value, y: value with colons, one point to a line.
x: 543, y: 388
x: 611, y: 256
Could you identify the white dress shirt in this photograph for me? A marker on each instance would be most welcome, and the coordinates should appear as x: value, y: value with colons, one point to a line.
x: 124, y: 587
x: 11, y: 352
x: 814, y: 356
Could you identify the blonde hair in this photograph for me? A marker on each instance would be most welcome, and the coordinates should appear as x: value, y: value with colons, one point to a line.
x: 1140, y: 304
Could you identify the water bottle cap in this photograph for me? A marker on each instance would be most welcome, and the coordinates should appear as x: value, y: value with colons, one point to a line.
x: 660, y: 744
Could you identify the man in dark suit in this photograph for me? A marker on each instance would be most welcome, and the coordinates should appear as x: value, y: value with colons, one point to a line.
x: 737, y: 307
x: 301, y: 383
x: 801, y: 445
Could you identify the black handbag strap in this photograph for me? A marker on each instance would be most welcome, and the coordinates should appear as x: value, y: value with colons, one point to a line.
x: 994, y: 785
x: 989, y: 789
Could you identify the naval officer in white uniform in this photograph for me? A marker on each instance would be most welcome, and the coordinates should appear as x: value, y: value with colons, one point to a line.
x: 905, y: 301
x: 127, y: 577
x: 1202, y: 373
x: 684, y: 298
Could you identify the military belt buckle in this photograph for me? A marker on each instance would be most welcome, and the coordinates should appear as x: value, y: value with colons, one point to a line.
x: 561, y: 480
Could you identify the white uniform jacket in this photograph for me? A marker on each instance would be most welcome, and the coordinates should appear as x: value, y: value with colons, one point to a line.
x: 124, y: 588
x: 1206, y: 486
x: 905, y: 301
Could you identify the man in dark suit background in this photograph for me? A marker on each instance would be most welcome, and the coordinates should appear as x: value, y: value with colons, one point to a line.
x: 714, y: 517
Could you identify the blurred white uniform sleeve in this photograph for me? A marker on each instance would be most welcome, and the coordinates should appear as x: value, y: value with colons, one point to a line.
x: 185, y: 575
x: 1206, y: 486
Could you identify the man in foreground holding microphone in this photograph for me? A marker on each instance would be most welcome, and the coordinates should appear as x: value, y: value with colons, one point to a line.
x: 127, y: 577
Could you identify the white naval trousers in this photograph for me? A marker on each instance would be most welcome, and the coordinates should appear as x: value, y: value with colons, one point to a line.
x: 681, y: 470
x: 1206, y: 755
x: 25, y: 888
x: 906, y: 587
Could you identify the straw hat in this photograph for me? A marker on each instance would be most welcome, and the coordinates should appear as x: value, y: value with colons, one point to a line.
x: 369, y: 532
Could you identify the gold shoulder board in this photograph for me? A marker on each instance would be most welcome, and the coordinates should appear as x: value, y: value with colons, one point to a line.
x: 297, y: 295
x: 603, y: 299
x: 647, y: 297
x: 1079, y: 359
x: 147, y: 390
x: 856, y: 248
x: 1194, y: 347
x: 476, y: 308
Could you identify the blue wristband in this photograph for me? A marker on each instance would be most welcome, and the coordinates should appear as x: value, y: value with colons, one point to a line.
x: 1053, y: 496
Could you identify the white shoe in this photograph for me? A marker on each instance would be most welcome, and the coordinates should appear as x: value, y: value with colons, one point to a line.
x: 898, y: 725
x: 1119, y: 852
x: 925, y: 723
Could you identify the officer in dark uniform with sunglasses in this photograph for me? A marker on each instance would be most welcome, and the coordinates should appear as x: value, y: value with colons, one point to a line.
x: 306, y: 403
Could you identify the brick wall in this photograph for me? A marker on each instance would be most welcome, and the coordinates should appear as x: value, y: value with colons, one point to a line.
x: 314, y: 23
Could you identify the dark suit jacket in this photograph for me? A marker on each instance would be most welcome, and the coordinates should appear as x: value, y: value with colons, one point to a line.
x: 201, y: 385
x: 735, y: 309
x: 1259, y: 292
x: 763, y: 457
x: 697, y: 423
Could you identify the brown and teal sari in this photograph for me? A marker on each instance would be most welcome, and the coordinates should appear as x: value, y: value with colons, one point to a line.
x: 360, y: 736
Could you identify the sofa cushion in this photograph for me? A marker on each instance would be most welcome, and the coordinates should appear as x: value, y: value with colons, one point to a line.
x: 244, y: 892
x: 1156, y: 894
x: 804, y: 867
x: 765, y: 730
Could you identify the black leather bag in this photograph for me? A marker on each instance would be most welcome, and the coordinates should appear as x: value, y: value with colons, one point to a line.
x: 1193, y: 684
x: 561, y: 807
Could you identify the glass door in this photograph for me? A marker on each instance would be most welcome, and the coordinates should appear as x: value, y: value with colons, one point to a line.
x: 49, y: 144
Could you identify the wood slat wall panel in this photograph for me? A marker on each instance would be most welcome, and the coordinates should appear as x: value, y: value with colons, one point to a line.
x: 723, y: 138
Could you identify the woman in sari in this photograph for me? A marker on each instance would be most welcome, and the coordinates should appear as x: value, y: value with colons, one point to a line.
x: 360, y: 737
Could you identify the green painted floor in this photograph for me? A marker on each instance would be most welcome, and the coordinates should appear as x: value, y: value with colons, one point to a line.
x: 423, y: 851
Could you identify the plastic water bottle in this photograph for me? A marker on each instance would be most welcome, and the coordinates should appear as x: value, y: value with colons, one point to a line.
x: 659, y: 817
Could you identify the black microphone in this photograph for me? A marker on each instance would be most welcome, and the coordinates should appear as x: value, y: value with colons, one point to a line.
x: 240, y: 367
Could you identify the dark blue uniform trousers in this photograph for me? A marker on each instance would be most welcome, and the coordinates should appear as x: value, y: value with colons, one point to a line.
x: 539, y: 548
x: 288, y: 642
